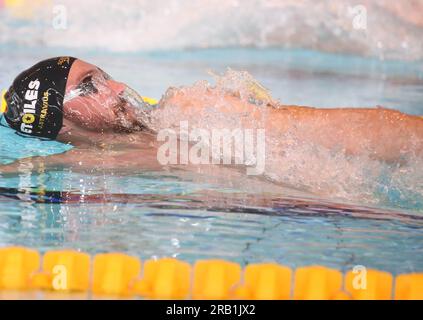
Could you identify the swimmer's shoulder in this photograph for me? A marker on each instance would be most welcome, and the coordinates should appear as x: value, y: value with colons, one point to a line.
x: 293, y: 109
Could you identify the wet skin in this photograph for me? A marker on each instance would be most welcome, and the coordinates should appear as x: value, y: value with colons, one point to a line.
x: 102, y: 126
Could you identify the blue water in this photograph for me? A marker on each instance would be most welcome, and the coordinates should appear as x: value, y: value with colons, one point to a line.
x: 172, y: 213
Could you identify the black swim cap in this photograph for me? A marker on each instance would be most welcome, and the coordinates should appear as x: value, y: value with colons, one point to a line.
x: 35, y: 99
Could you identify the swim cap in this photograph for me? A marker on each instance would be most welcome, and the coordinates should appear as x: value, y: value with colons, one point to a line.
x: 34, y: 102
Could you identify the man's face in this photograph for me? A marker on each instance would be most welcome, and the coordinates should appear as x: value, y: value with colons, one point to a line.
x: 94, y: 101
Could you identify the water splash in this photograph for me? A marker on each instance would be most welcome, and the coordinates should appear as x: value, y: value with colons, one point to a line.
x: 290, y: 160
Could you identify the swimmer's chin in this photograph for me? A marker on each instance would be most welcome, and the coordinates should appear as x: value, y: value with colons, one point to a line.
x: 135, y: 128
x: 131, y: 119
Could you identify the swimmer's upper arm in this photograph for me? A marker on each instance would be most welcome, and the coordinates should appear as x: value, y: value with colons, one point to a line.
x: 38, y: 163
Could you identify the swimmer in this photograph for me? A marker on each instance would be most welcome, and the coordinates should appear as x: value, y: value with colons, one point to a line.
x: 72, y: 101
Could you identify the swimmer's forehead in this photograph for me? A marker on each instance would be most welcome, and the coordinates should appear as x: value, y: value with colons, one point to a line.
x: 79, y: 70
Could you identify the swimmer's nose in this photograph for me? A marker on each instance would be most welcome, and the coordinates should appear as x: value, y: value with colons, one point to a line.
x: 117, y: 87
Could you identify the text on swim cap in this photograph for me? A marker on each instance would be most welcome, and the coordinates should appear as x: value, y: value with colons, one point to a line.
x: 31, y: 96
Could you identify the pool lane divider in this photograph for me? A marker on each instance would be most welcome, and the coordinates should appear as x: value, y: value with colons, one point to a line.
x: 121, y: 275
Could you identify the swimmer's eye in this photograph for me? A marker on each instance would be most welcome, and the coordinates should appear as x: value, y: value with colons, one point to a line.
x: 87, y: 86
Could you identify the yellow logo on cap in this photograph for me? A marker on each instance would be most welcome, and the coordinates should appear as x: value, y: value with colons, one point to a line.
x: 62, y: 60
x: 28, y: 118
x: 3, y: 107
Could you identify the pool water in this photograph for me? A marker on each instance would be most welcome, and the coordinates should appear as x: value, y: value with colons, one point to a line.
x: 196, y: 216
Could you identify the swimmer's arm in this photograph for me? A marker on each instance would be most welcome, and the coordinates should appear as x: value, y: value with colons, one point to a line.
x: 72, y: 158
x: 86, y: 160
x: 380, y: 133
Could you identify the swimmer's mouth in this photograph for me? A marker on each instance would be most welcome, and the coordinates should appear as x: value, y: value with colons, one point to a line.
x: 127, y: 120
